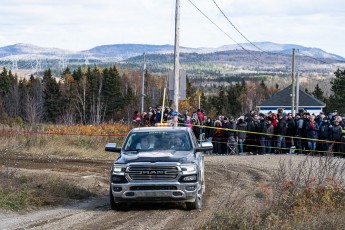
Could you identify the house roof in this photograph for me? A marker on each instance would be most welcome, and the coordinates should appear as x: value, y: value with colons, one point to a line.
x: 283, y: 99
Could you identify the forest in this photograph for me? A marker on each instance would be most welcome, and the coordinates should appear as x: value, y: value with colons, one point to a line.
x: 95, y: 95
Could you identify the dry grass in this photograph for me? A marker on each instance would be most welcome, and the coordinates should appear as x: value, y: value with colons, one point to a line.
x: 24, y: 191
x: 76, y: 141
x: 308, y: 195
x: 31, y: 191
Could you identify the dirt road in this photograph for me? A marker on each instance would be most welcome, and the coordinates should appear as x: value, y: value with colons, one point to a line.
x: 228, y: 178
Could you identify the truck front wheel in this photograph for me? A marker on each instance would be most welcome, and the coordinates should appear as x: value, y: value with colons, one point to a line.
x: 197, y: 203
x: 114, y: 205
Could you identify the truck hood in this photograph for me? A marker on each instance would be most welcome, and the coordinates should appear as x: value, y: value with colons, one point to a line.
x: 164, y: 156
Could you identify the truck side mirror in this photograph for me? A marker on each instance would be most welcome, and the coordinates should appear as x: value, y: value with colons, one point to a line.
x: 111, y: 147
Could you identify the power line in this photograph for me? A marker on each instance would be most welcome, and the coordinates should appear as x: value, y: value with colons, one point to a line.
x: 236, y: 28
x: 262, y: 49
x: 257, y: 58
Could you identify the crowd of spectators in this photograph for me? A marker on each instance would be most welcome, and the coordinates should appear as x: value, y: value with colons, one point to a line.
x: 259, y: 133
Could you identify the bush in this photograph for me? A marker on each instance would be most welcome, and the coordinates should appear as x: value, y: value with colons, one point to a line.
x: 308, y: 195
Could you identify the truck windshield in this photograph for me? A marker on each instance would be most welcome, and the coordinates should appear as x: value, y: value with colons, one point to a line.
x: 158, y: 140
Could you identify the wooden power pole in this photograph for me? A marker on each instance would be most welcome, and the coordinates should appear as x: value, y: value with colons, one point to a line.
x: 293, y: 84
x: 177, y: 56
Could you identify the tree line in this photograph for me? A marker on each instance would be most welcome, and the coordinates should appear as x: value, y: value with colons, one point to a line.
x: 87, y: 97
x: 94, y: 95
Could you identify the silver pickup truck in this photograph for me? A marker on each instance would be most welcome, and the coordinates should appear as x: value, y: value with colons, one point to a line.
x: 158, y: 164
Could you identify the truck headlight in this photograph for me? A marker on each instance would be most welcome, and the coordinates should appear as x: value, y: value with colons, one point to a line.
x: 188, y: 169
x: 120, y: 170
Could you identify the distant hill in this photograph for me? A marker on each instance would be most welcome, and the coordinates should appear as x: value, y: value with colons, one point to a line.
x: 283, y: 48
x: 22, y: 50
x: 266, y: 59
x: 125, y: 51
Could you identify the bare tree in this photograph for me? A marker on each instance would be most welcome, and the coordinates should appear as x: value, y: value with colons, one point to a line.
x: 33, y: 102
x: 80, y: 103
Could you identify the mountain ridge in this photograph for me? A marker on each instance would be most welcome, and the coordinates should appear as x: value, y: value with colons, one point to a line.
x: 125, y: 51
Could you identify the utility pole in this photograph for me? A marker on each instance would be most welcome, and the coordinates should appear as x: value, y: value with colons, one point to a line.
x: 177, y: 56
x: 143, y: 86
x: 297, y: 92
x: 293, y: 84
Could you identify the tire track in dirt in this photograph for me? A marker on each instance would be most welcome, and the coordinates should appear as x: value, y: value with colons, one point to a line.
x: 225, y: 180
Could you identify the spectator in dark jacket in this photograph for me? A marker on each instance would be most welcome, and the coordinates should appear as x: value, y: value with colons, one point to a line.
x: 324, y: 134
x: 335, y: 135
x: 299, y: 126
x: 251, y: 127
x: 196, y: 128
x: 209, y: 128
x: 281, y: 132
x: 290, y: 131
x: 270, y: 130
x: 262, y: 129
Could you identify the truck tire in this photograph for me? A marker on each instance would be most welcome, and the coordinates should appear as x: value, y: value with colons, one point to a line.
x: 197, y: 203
x: 116, y: 206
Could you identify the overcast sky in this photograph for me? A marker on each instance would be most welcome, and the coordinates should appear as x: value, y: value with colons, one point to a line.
x: 84, y: 24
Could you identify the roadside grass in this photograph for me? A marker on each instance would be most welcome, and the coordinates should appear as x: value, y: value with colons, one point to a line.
x: 31, y: 191
x: 308, y: 195
x: 20, y: 191
x: 72, y: 141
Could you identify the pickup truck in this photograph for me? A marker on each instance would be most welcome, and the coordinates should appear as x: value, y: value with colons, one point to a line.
x: 158, y: 164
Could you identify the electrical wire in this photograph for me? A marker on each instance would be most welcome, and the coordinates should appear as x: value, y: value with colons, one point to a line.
x: 316, y: 59
x: 257, y: 58
x: 236, y: 28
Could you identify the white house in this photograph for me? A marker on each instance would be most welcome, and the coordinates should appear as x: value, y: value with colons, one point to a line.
x: 282, y: 100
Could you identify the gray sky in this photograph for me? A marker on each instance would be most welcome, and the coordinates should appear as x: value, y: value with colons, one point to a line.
x: 84, y: 24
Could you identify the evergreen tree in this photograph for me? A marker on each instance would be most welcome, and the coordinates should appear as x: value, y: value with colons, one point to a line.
x: 338, y: 88
x: 191, y: 95
x: 52, y: 97
x: 6, y: 82
x: 69, y: 99
x: 77, y: 74
x: 95, y: 105
x: 111, y: 94
x: 318, y: 93
x: 235, y: 98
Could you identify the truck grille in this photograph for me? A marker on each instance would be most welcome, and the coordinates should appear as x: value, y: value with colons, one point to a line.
x: 141, y: 188
x: 140, y: 173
